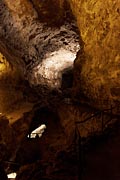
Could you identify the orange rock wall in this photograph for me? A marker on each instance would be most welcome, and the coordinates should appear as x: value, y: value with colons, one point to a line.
x: 97, y: 67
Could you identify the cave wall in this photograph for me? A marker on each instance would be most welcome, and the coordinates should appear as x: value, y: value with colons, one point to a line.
x: 97, y: 66
x: 11, y: 86
x: 96, y: 69
x: 21, y: 22
x: 20, y: 38
x: 50, y: 11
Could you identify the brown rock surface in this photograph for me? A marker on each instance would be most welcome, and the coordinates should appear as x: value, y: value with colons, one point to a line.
x: 40, y: 47
x: 97, y: 66
x: 7, y: 139
x: 50, y: 11
x: 42, y: 52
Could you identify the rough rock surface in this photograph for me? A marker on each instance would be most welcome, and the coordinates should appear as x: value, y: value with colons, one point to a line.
x: 50, y: 11
x: 10, y: 91
x: 38, y: 52
x: 83, y: 118
x: 7, y: 139
x: 41, y: 49
x: 36, y: 43
x: 97, y: 66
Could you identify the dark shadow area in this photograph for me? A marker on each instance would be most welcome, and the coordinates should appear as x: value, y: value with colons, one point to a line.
x: 101, y: 157
x: 67, y: 78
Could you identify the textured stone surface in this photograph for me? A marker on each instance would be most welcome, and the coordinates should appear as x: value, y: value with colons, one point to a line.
x: 97, y: 67
x: 39, y: 53
x: 80, y: 117
x: 35, y: 44
x: 7, y: 139
x: 50, y: 11
x: 42, y: 49
x: 10, y: 85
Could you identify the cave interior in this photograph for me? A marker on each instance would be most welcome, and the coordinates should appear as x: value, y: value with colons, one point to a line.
x: 50, y: 126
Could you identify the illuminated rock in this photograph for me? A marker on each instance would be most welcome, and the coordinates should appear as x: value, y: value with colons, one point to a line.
x: 97, y: 72
x: 42, y: 52
x: 38, y: 131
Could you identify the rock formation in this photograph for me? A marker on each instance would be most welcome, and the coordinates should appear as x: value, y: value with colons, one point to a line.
x: 97, y: 64
x: 59, y: 66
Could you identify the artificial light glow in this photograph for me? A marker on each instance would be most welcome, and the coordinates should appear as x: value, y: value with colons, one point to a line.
x: 12, y: 175
x: 39, y: 131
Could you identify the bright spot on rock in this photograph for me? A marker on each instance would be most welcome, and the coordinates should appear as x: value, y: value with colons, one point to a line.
x: 51, y: 69
x: 39, y: 131
x: 3, y: 64
x: 12, y: 175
